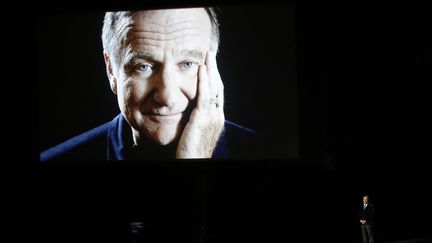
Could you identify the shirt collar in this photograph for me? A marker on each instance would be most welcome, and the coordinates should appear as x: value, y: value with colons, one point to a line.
x: 119, y: 138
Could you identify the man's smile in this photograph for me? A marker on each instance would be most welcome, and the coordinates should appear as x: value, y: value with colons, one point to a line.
x: 161, y: 118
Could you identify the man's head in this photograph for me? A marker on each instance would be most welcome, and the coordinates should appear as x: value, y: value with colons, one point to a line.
x: 152, y: 60
x: 365, y: 199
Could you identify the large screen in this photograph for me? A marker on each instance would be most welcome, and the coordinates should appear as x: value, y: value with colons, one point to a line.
x: 256, y: 60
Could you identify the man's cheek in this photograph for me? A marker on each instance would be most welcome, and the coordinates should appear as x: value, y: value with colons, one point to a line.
x: 135, y: 91
x: 127, y: 92
x: 191, y: 85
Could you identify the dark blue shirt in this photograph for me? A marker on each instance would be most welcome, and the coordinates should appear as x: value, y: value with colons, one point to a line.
x: 113, y: 141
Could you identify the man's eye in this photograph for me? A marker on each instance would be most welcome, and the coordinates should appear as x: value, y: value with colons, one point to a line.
x: 187, y: 65
x: 144, y: 67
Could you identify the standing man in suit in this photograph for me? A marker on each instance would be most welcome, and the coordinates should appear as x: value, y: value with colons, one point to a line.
x: 367, y: 213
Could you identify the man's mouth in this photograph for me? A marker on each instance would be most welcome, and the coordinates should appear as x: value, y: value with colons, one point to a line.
x: 163, y: 114
x: 172, y: 117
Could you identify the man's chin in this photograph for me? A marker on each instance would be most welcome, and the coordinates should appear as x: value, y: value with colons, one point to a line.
x: 164, y: 139
x: 165, y: 136
x: 163, y: 132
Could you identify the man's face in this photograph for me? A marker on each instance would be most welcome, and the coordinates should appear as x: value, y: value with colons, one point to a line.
x: 365, y: 200
x: 156, y: 81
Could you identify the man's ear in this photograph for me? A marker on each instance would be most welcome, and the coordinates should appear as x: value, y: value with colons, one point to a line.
x: 110, y: 74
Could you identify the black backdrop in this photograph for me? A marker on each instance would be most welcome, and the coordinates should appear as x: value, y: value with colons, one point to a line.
x: 363, y: 73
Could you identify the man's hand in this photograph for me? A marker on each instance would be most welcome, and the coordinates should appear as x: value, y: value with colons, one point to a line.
x: 206, y: 122
x: 362, y: 221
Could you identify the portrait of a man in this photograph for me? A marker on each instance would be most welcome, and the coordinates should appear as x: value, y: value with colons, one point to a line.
x: 161, y: 66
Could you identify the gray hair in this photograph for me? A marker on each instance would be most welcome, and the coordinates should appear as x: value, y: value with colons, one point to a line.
x: 116, y: 25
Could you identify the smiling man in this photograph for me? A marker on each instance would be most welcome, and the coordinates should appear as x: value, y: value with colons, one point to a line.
x: 161, y: 65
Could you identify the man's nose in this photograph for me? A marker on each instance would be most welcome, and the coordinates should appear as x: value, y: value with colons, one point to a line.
x: 166, y: 88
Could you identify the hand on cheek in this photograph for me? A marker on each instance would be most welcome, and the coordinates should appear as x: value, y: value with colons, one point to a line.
x: 206, y: 122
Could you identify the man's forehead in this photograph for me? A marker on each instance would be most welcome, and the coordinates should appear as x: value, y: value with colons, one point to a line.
x: 170, y: 18
x: 157, y: 54
x: 173, y: 28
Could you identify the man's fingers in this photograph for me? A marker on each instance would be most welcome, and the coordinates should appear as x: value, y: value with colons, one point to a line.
x: 215, y: 81
x: 211, y: 62
x: 213, y: 72
x: 210, y: 85
x: 203, y: 88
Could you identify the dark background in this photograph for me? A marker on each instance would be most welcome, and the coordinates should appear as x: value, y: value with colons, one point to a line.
x: 257, y: 62
x: 363, y: 76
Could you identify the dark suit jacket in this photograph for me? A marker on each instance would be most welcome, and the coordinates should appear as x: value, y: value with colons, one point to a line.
x: 367, y: 214
x: 113, y: 141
